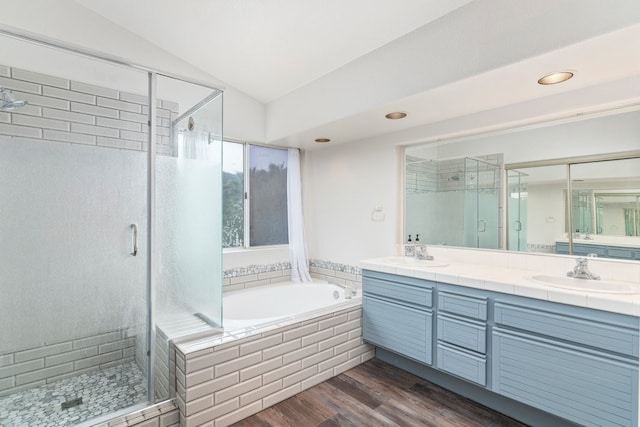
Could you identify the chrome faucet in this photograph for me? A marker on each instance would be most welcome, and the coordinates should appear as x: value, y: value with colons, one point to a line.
x: 422, y: 253
x: 581, y: 270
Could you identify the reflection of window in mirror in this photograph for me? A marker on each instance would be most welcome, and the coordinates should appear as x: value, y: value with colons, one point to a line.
x: 603, y: 216
x: 612, y: 189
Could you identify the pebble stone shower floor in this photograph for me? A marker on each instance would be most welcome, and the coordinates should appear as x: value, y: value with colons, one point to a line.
x: 102, y: 392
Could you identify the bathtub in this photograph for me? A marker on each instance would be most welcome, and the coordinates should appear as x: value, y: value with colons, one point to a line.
x: 268, y: 304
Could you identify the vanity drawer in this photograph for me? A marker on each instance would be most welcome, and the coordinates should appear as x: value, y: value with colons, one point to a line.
x: 414, y: 292
x: 475, y: 308
x: 583, y: 331
x: 465, y: 365
x: 462, y: 333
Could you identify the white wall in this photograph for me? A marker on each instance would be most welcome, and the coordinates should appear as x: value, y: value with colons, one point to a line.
x: 342, y: 185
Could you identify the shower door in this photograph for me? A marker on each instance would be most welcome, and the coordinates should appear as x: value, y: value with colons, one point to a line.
x: 73, y: 269
x: 74, y: 304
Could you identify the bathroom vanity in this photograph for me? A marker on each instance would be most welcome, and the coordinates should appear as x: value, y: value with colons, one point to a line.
x: 507, y: 351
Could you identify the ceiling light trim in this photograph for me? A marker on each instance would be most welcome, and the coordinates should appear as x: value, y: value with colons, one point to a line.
x: 556, y: 77
x: 396, y: 115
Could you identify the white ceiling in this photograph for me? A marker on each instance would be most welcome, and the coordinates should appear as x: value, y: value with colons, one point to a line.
x: 288, y: 54
x: 268, y: 48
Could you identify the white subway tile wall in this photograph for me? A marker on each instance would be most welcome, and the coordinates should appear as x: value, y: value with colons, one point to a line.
x: 224, y: 383
x: 80, y: 113
x: 21, y: 370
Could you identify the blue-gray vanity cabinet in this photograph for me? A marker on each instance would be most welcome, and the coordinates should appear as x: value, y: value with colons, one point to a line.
x: 577, y: 363
x: 397, y: 314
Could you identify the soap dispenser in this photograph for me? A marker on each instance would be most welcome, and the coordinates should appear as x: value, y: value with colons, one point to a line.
x: 409, y: 248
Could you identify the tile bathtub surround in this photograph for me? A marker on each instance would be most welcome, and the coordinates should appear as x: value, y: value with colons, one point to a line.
x: 255, y: 275
x: 224, y: 383
x: 21, y: 370
x: 341, y: 274
x: 259, y: 275
x: 74, y: 112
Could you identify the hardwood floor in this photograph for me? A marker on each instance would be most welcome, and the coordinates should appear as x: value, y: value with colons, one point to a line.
x: 377, y: 394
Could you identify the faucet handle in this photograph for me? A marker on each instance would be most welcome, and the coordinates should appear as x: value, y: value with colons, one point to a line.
x: 592, y: 255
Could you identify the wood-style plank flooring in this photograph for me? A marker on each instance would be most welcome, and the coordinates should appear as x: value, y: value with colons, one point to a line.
x: 377, y: 394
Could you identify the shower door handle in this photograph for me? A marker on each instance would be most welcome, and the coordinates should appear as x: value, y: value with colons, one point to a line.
x: 518, y: 226
x: 482, y: 226
x: 134, y: 239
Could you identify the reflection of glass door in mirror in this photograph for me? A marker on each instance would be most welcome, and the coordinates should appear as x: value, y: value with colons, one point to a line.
x: 481, y: 203
x: 517, y: 197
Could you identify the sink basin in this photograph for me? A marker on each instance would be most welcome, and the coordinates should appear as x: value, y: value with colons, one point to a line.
x: 414, y: 262
x: 604, y: 286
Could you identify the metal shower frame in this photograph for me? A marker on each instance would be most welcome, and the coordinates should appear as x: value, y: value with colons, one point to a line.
x: 152, y: 75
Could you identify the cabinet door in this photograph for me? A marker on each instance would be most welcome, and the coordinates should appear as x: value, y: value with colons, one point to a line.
x: 586, y: 387
x: 398, y: 328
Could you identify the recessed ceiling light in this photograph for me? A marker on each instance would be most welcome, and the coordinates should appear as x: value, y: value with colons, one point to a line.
x: 322, y: 140
x: 553, y: 78
x: 396, y: 115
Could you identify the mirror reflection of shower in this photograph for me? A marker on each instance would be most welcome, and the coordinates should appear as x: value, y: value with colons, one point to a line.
x: 453, y: 201
x: 9, y: 101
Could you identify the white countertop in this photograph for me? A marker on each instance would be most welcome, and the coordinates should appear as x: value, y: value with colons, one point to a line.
x: 514, y: 281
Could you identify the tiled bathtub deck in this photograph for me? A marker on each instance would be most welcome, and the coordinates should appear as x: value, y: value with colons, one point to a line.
x: 102, y: 392
x: 222, y: 380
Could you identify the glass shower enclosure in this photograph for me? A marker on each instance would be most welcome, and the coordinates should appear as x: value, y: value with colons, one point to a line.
x: 97, y: 262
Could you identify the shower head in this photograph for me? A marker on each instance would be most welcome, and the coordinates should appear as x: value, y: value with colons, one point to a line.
x: 9, y: 101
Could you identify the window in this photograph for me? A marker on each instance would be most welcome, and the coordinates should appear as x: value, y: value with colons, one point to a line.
x: 256, y: 201
x: 232, y: 194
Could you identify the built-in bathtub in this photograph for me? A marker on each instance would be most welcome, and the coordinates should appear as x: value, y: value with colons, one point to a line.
x: 256, y: 307
x: 278, y: 340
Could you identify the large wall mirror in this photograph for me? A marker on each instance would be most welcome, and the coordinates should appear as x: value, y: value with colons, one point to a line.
x: 568, y: 187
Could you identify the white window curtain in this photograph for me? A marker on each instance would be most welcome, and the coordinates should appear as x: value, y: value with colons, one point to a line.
x: 297, y: 242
